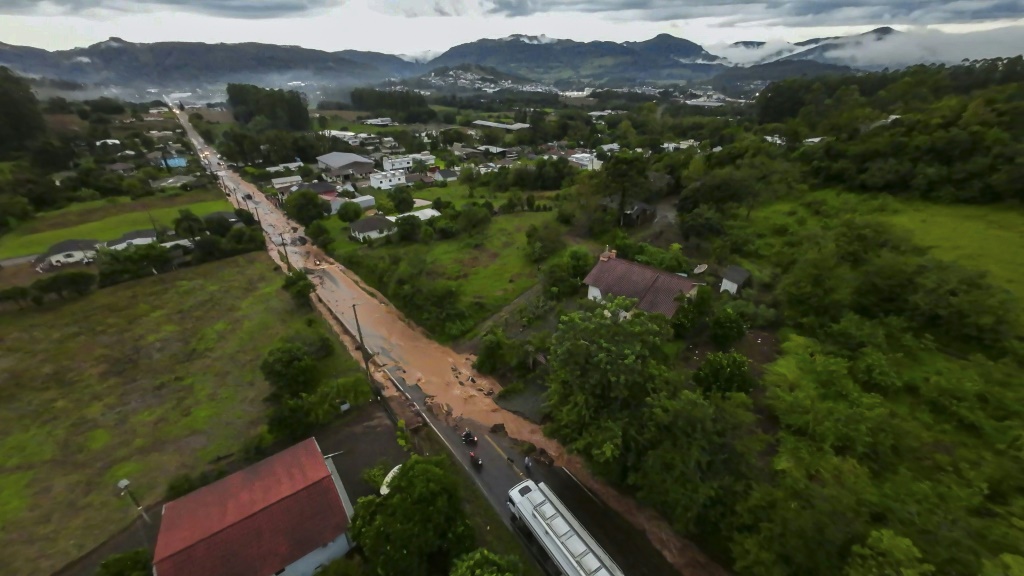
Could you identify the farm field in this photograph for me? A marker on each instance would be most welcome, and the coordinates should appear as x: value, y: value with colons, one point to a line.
x: 113, y: 221
x: 143, y: 381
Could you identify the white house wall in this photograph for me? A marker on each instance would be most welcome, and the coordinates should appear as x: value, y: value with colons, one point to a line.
x: 336, y: 204
x: 593, y: 292
x: 372, y: 235
x: 308, y: 564
x: 73, y: 257
x: 131, y: 243
x: 728, y: 286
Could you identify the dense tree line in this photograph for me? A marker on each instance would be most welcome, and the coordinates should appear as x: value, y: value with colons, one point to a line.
x: 943, y: 133
x: 21, y: 122
x: 279, y: 109
x: 542, y: 175
x: 256, y: 145
x: 402, y: 106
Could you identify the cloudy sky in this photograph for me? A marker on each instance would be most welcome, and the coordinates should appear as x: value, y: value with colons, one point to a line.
x: 419, y: 26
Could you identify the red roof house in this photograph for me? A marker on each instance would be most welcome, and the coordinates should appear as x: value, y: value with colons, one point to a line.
x: 654, y: 290
x: 289, y: 511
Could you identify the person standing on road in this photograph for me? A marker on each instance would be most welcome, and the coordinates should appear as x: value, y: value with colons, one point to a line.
x: 527, y: 463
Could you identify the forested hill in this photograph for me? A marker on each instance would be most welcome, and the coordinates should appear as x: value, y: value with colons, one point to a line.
x: 934, y: 132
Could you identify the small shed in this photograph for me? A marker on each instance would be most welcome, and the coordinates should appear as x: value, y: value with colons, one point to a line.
x: 734, y: 278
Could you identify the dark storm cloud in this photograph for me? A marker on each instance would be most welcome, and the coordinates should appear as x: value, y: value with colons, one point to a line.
x: 780, y: 12
x: 228, y: 8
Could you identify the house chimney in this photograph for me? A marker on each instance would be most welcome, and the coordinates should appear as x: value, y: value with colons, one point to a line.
x: 606, y: 255
x: 614, y: 252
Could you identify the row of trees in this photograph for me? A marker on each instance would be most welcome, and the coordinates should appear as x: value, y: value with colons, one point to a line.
x: 403, y: 106
x: 62, y: 285
x: 279, y: 109
x: 957, y: 138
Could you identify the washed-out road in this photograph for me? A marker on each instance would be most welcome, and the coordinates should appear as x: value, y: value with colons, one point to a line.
x: 427, y: 372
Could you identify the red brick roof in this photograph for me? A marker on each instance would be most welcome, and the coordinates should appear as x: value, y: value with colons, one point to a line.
x: 255, y: 521
x: 655, y: 290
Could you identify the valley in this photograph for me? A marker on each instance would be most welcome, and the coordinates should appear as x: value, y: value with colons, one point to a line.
x: 750, y: 308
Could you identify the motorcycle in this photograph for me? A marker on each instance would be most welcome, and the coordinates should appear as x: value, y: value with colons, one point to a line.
x: 468, y: 438
x: 475, y: 460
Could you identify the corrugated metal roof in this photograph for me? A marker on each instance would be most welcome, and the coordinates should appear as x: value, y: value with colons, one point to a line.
x: 255, y: 521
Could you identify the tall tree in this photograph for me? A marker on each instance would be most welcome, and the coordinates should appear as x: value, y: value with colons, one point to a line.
x: 306, y: 207
x: 21, y: 121
x: 188, y: 224
x: 419, y: 526
x: 604, y: 364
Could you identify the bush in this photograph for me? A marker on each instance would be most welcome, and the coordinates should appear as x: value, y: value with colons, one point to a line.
x: 374, y: 475
x: 511, y: 390
x: 350, y: 212
x: 134, y: 563
x: 299, y: 287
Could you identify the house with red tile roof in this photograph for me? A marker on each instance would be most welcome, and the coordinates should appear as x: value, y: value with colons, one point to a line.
x: 654, y: 290
x: 286, y: 515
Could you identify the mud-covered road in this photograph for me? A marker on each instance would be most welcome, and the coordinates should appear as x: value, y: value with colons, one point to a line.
x: 431, y: 370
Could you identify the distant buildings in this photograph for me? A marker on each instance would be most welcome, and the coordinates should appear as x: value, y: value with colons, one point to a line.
x: 511, y: 127
x: 344, y: 165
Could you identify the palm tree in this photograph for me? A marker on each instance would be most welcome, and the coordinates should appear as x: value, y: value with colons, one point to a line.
x: 188, y: 225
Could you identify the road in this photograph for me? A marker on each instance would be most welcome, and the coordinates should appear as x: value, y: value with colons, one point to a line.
x: 430, y: 373
x: 18, y: 260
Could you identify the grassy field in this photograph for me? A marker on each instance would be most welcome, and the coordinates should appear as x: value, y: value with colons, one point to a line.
x: 491, y: 269
x: 989, y: 238
x: 86, y: 212
x: 140, y: 381
x: 124, y: 217
x: 983, y: 238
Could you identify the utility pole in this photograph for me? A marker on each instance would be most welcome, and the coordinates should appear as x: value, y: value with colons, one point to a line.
x: 364, y: 352
x: 123, y: 485
x: 287, y: 258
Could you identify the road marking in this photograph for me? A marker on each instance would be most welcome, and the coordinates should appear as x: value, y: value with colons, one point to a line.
x: 596, y: 499
x: 505, y: 456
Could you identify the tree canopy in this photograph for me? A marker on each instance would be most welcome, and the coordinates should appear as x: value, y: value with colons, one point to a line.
x: 419, y: 527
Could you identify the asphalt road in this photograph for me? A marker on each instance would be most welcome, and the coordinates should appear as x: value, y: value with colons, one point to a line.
x: 406, y: 351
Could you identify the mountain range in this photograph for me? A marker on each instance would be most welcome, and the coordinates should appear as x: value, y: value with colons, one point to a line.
x: 664, y: 58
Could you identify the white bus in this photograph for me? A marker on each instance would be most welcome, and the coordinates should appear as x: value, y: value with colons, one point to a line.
x: 540, y: 514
